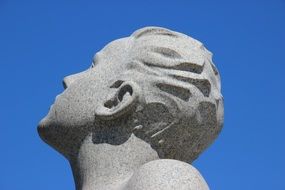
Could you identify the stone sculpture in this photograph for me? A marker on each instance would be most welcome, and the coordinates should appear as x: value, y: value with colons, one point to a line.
x: 135, y: 120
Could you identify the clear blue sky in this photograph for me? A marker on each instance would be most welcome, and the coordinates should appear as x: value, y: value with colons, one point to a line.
x: 43, y: 41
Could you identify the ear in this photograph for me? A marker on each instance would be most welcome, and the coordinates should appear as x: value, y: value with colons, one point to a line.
x: 124, y: 101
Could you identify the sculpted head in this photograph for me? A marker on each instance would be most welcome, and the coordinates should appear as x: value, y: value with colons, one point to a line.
x: 157, y: 84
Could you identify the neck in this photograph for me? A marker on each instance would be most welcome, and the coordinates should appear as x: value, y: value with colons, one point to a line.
x: 105, y: 166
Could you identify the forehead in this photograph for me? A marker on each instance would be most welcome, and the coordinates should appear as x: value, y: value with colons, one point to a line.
x: 111, y: 62
x: 114, y: 52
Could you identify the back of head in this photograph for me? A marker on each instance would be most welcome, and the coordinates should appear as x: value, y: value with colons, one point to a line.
x: 183, y: 111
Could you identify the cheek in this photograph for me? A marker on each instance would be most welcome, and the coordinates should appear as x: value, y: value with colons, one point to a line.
x: 73, y: 109
x: 77, y: 104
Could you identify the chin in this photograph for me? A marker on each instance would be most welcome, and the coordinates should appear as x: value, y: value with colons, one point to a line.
x: 48, y: 121
x: 47, y: 126
x: 51, y: 134
x: 44, y: 128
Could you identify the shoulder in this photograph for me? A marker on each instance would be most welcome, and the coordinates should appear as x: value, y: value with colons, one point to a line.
x: 167, y: 174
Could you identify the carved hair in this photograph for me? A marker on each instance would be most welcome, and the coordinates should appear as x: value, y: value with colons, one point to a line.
x: 182, y: 90
x: 182, y: 110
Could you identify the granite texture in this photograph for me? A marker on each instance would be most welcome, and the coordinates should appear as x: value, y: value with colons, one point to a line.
x: 136, y: 119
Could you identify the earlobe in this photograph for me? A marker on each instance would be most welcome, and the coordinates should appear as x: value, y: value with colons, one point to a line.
x: 123, y: 102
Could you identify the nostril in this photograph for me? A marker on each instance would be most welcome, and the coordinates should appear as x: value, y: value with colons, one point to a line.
x: 65, y: 83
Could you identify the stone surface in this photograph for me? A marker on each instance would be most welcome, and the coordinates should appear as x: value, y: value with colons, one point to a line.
x: 145, y: 109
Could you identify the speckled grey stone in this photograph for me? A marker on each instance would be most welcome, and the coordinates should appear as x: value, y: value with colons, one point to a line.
x: 136, y: 119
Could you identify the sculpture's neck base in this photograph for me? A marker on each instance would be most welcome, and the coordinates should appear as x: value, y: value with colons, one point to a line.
x: 105, y: 166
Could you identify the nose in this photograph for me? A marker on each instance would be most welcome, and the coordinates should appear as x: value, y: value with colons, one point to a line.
x: 67, y: 81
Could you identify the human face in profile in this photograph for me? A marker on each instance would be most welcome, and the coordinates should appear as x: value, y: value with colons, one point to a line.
x: 74, y: 109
